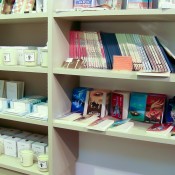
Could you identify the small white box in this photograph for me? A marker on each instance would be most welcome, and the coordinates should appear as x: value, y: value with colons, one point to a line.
x: 44, y: 139
x: 2, y: 137
x: 47, y: 150
x: 11, y: 132
x: 44, y: 58
x: 35, y: 137
x: 23, y: 134
x: 10, y: 146
x: 24, y: 144
x: 38, y: 148
x: 39, y: 6
x: 1, y: 57
x: 4, y: 103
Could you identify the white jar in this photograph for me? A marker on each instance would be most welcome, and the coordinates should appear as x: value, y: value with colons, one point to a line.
x: 1, y: 148
x: 26, y: 158
x: 44, y: 58
x: 43, y: 161
x: 30, y: 57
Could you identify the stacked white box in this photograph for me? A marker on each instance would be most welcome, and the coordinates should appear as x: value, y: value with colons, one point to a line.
x: 10, y: 146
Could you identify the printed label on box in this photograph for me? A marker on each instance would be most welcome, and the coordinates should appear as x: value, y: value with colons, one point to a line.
x: 29, y: 57
x: 7, y: 57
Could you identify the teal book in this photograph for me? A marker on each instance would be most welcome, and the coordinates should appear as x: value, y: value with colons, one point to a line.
x: 137, y: 106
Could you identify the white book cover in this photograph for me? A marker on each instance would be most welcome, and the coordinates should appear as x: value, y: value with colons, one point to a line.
x: 100, y: 124
x: 71, y: 117
x: 123, y: 128
x: 85, y: 120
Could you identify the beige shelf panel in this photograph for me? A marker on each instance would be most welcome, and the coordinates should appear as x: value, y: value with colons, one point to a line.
x: 119, y: 15
x: 138, y: 132
x: 112, y: 74
x: 24, y: 69
x: 23, y: 18
x: 23, y: 119
x: 13, y: 163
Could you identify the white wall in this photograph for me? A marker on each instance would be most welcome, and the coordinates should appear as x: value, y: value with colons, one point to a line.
x: 104, y: 155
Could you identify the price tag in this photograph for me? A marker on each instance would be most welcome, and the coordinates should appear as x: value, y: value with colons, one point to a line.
x: 7, y: 57
x: 29, y: 57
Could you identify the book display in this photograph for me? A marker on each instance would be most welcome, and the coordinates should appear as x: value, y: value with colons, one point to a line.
x: 92, y: 79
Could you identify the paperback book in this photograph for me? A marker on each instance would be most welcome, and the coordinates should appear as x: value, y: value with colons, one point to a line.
x: 78, y: 99
x: 97, y: 102
x: 119, y: 104
x: 101, y: 124
x: 155, y: 108
x: 160, y: 129
x: 137, y: 106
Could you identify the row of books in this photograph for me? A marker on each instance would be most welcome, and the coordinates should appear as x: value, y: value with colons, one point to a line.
x: 106, y: 50
x: 108, y: 123
x: 142, y: 107
x: 22, y: 6
x: 125, y: 4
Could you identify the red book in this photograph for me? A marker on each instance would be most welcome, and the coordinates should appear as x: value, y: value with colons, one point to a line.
x: 155, y: 108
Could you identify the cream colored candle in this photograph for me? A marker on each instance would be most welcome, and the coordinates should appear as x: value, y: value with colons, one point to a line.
x: 43, y: 161
x: 26, y: 158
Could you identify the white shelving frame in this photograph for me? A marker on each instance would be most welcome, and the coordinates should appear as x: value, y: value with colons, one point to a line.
x: 65, y: 140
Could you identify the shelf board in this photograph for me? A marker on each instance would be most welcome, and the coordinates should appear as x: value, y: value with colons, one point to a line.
x: 112, y: 74
x: 13, y: 163
x: 119, y: 15
x: 23, y: 18
x: 23, y: 119
x: 138, y: 132
x: 24, y: 69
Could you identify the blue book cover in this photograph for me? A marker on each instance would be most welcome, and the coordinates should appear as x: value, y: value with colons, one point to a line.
x: 137, y: 106
x: 78, y: 99
x: 170, y: 111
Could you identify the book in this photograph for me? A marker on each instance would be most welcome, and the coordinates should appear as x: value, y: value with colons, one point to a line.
x: 80, y: 3
x: 101, y: 124
x: 70, y: 117
x: 119, y: 104
x: 7, y: 6
x: 125, y: 127
x: 137, y: 106
x: 119, y: 122
x: 155, y: 105
x: 97, y: 102
x: 160, y: 129
x: 137, y: 4
x: 85, y: 120
x: 78, y: 99
x: 170, y: 111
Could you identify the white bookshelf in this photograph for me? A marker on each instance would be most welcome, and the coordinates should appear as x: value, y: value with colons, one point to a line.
x: 138, y: 132
x: 23, y: 119
x: 24, y: 69
x: 116, y: 74
x: 23, y: 18
x: 91, y: 152
x: 118, y: 15
x: 74, y: 150
x: 13, y: 163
